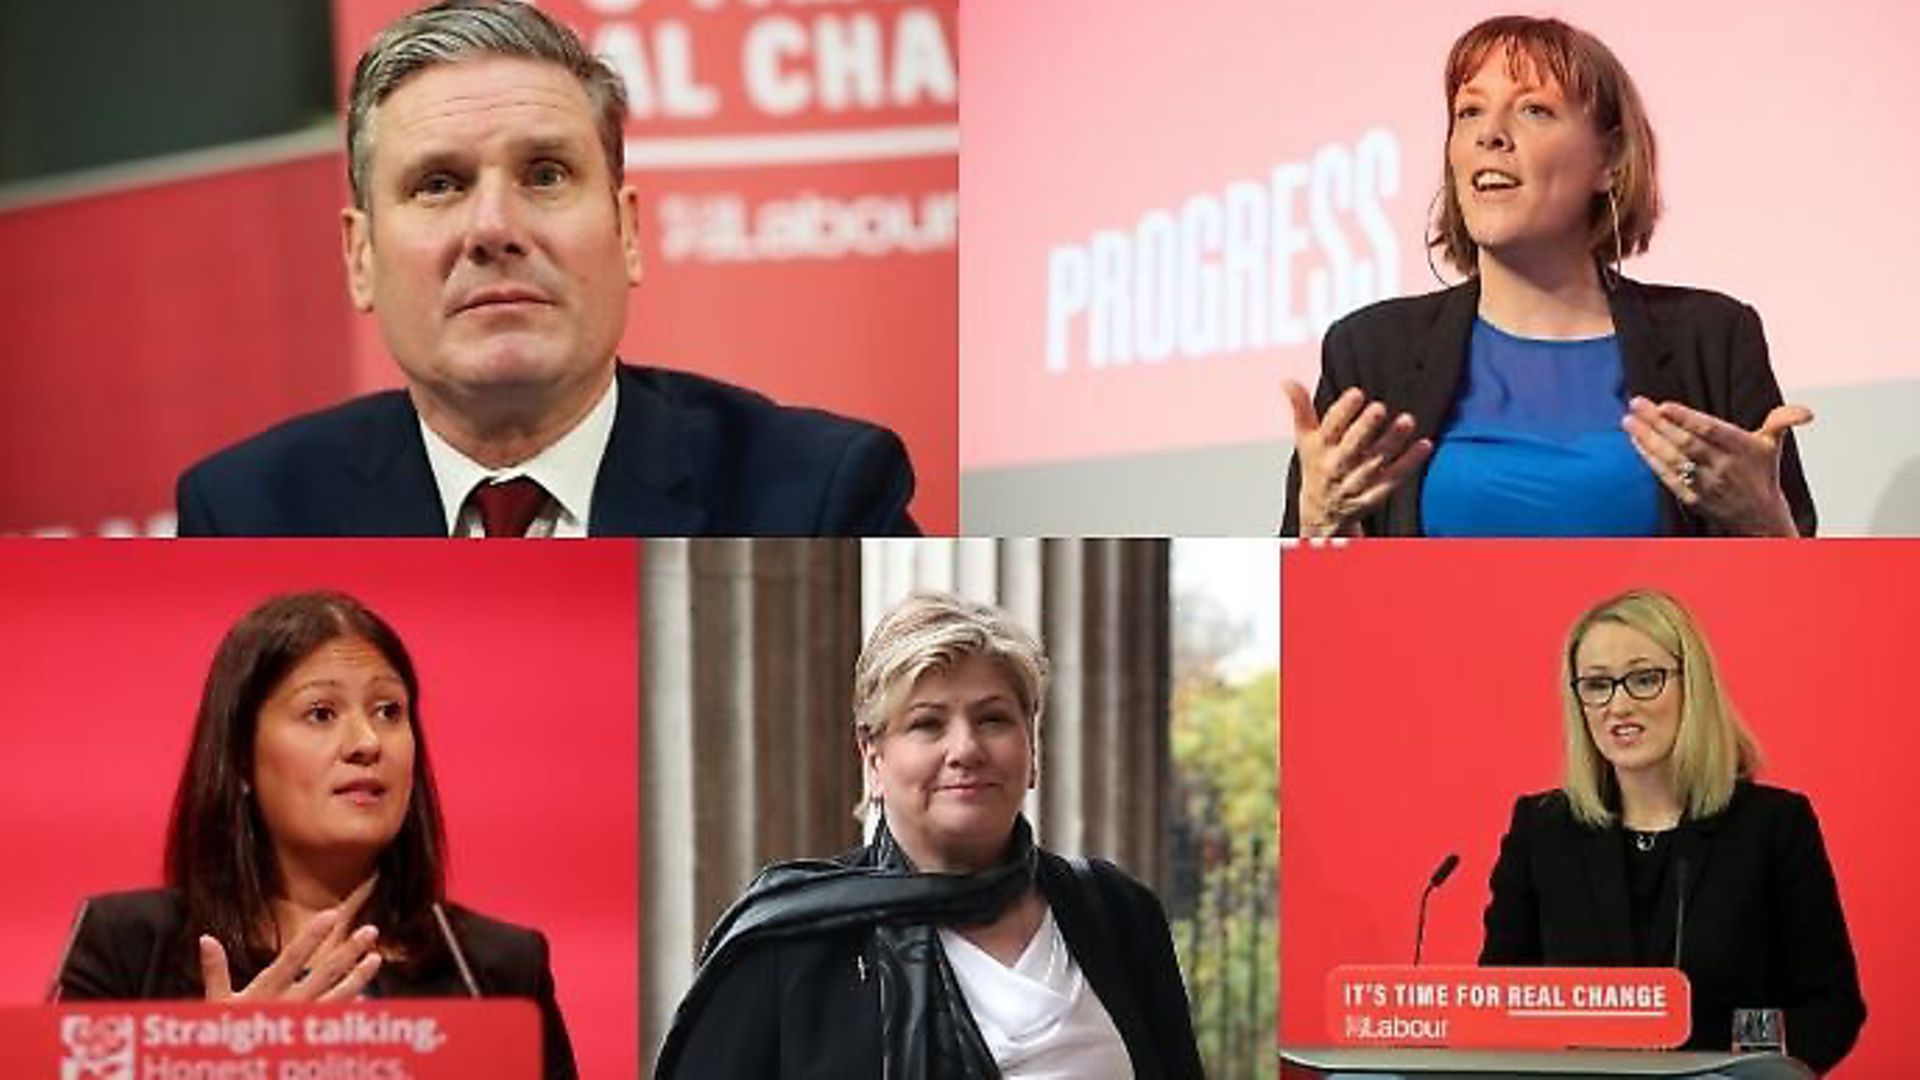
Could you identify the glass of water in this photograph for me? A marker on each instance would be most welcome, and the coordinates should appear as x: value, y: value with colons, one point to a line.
x: 1759, y: 1031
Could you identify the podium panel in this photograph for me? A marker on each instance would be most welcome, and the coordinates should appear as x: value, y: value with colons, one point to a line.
x: 1511, y: 1008
x: 1305, y: 1062
x: 411, y: 1039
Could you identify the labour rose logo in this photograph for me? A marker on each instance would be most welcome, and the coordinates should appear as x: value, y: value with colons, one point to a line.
x: 98, y: 1047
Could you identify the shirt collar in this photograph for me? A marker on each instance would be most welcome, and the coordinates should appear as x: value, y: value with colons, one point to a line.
x: 567, y: 467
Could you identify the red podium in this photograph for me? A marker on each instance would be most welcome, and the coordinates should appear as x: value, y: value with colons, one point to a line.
x: 386, y: 1039
x: 1301, y: 1062
x: 1511, y: 1008
x: 1398, y: 1020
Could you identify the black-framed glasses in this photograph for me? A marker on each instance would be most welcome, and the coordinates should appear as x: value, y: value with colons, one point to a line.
x: 1641, y: 684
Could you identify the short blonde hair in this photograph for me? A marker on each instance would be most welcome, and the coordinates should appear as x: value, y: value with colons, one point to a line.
x: 1712, y: 750
x: 1592, y: 78
x: 933, y: 632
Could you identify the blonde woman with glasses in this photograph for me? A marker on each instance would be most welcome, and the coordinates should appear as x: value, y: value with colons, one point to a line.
x: 1660, y: 849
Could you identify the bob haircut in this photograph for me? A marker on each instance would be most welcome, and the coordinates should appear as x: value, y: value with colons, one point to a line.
x: 934, y: 632
x: 1591, y: 77
x: 456, y: 30
x: 219, y: 852
x: 1712, y: 751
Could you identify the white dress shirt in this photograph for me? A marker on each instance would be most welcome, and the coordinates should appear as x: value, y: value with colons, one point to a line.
x: 1039, y: 1017
x: 567, y: 469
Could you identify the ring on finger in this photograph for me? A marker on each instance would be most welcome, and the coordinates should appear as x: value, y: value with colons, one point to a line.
x: 1687, y: 470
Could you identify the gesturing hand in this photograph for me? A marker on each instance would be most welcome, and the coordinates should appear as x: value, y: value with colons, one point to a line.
x: 320, y: 964
x: 1726, y: 473
x: 1350, y: 459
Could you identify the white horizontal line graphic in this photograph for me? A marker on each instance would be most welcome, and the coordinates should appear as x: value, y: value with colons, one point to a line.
x: 1634, y: 1013
x: 799, y: 148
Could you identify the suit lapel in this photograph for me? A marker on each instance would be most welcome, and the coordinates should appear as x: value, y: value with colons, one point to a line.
x: 1429, y: 390
x: 1646, y: 361
x: 645, y: 480
x: 1443, y: 360
x: 1096, y: 948
x: 395, y: 494
x: 1607, y: 875
x: 1644, y: 352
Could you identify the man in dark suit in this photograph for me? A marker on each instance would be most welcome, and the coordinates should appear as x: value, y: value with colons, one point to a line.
x: 494, y: 240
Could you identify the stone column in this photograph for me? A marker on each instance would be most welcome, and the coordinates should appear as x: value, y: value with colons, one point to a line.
x: 747, y: 653
x: 747, y: 753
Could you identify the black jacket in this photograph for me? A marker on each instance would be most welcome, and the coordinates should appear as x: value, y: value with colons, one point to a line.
x: 131, y: 946
x: 802, y: 1010
x: 688, y: 456
x: 1702, y: 349
x: 1763, y: 929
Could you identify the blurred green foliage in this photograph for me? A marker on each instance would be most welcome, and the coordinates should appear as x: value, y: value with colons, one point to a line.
x: 1225, y: 750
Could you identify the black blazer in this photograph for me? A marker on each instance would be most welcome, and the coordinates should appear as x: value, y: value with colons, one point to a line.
x: 134, y: 946
x: 1702, y: 349
x: 1764, y: 927
x: 802, y: 1010
x: 688, y: 455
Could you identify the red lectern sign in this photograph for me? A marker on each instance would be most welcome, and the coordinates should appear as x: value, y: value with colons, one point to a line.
x: 1517, y: 1008
x: 412, y: 1039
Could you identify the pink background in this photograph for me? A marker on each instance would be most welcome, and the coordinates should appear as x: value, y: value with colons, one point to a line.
x: 1785, y: 164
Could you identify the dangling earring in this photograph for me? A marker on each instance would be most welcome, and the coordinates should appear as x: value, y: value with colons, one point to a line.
x: 1428, y: 239
x: 1619, y: 255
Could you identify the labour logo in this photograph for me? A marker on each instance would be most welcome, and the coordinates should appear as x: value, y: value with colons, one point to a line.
x: 98, y: 1047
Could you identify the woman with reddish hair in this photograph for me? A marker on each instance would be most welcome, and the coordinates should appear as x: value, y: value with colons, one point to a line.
x: 1547, y: 394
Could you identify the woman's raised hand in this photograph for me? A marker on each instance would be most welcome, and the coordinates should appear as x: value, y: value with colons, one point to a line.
x: 321, y: 963
x: 1716, y: 468
x: 1350, y: 459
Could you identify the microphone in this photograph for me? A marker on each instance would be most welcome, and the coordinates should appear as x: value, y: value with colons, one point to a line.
x: 1440, y: 875
x: 1680, y: 909
x: 66, y: 953
x: 453, y: 945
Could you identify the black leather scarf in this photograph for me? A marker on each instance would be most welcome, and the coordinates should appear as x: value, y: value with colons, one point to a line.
x: 927, y: 1032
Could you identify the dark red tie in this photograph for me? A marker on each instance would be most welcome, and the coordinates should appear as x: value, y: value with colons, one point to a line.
x: 509, y: 506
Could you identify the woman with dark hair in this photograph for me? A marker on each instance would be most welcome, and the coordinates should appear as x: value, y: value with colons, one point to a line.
x: 305, y: 856
x: 1546, y: 395
x: 1660, y: 848
x: 952, y: 945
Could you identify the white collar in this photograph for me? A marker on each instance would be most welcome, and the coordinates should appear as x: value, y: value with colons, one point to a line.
x: 566, y: 467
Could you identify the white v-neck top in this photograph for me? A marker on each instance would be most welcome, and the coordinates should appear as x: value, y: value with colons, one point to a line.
x: 1039, y: 1017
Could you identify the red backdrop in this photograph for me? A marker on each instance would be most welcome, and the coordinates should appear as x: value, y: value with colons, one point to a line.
x: 797, y: 166
x: 144, y: 329
x: 1420, y: 697
x: 529, y: 699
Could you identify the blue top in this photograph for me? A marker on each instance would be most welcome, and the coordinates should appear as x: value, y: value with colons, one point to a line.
x: 1533, y: 446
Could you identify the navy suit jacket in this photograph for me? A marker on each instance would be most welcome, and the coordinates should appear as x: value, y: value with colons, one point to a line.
x: 1699, y: 348
x: 688, y: 456
x: 1764, y: 928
